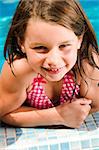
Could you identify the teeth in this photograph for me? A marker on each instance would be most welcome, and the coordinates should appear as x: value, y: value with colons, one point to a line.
x: 54, y: 69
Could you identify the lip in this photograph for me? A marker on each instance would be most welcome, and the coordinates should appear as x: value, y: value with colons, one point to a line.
x: 53, y: 70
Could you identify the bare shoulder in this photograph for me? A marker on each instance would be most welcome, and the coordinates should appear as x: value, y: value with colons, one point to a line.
x: 15, y: 74
x: 90, y: 71
x: 89, y: 85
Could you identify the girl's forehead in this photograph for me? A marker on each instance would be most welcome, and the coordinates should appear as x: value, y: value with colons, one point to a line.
x: 49, y: 30
x: 39, y: 24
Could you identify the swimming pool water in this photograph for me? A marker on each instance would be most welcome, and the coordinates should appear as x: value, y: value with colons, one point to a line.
x: 7, y: 8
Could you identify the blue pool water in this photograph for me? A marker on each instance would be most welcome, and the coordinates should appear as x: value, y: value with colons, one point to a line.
x: 7, y: 8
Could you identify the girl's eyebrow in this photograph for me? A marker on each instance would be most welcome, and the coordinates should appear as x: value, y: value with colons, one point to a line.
x: 67, y: 41
x: 39, y: 44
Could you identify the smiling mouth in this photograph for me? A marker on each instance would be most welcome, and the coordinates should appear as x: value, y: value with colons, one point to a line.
x: 53, y: 70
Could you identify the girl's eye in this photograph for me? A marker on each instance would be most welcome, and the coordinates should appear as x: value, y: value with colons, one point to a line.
x: 64, y: 45
x: 40, y: 49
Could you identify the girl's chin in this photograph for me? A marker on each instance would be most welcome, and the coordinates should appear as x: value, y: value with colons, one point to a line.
x: 54, y: 78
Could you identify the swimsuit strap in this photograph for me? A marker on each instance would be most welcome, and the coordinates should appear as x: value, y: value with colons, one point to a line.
x: 39, y: 79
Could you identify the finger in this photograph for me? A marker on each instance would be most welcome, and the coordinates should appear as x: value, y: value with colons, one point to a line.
x: 85, y: 102
x: 87, y: 108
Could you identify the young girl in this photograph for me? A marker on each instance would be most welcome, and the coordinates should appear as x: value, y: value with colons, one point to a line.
x: 52, y: 66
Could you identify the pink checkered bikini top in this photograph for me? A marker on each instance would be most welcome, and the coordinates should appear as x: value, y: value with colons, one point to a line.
x: 37, y: 98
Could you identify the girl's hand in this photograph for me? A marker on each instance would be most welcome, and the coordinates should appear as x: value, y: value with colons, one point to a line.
x: 73, y: 114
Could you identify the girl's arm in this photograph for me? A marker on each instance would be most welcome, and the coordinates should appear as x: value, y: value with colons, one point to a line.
x: 68, y: 114
x: 31, y: 117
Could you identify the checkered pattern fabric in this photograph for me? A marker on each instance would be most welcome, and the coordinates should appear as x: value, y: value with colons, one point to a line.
x: 37, y: 98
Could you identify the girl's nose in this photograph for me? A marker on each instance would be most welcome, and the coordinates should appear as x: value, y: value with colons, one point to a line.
x: 54, y: 59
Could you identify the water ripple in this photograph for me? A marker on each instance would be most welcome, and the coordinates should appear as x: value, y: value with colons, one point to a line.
x: 9, y: 1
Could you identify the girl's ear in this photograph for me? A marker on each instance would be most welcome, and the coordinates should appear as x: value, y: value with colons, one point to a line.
x: 21, y: 45
x: 80, y: 39
x: 22, y: 48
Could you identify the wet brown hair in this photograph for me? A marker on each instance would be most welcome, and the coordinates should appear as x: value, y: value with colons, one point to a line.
x: 67, y: 13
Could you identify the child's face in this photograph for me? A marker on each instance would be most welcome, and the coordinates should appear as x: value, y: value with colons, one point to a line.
x: 51, y: 49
